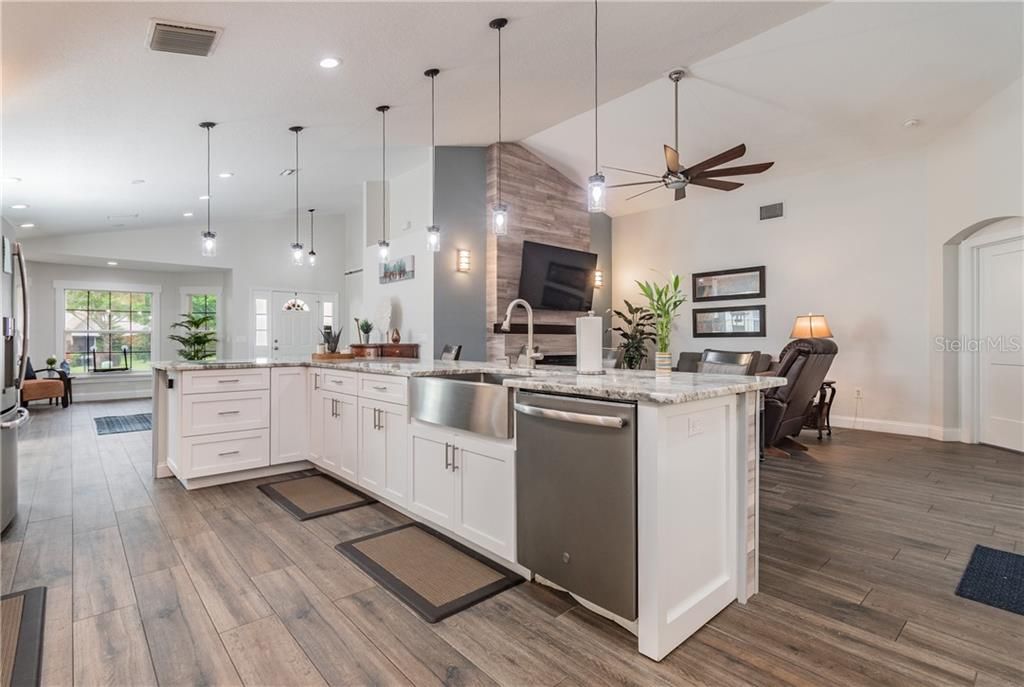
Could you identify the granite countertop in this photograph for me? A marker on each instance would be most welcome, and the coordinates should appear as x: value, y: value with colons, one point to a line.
x: 616, y: 385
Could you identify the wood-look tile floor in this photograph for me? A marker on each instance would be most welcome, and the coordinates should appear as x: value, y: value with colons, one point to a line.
x: 863, y: 541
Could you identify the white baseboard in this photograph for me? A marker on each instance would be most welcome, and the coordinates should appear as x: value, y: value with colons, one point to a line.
x: 84, y: 393
x: 911, y: 429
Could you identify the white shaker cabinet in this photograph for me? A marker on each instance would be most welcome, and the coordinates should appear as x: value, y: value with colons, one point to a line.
x: 289, y: 412
x: 383, y: 443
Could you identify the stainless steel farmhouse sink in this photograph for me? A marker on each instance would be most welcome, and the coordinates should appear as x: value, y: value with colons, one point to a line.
x: 475, y: 402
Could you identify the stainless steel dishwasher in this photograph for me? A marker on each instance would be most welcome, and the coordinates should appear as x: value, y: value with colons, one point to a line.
x: 576, y: 496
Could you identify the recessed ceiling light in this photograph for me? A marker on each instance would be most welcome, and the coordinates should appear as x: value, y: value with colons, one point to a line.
x: 330, y: 62
x: 138, y: 181
x: 286, y: 172
x: 226, y: 175
x: 204, y: 197
x: 186, y: 214
x: 112, y: 263
x: 27, y: 225
x: 12, y: 180
x: 19, y: 206
x: 911, y: 123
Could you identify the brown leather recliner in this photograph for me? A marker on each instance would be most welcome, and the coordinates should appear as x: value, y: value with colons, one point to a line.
x: 804, y: 363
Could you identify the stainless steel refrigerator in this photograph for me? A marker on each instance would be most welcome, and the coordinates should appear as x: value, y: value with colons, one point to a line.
x: 14, y: 312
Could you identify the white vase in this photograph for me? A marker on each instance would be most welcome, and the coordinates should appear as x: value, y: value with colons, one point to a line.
x: 663, y: 364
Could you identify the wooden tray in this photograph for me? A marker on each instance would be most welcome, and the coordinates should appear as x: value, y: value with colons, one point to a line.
x: 326, y: 357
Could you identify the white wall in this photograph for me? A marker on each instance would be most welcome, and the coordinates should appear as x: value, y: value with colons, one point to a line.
x: 43, y: 333
x: 411, y: 301
x: 255, y: 255
x: 862, y: 244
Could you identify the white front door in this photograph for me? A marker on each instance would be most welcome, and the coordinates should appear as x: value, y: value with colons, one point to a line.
x: 1001, y: 333
x: 294, y: 331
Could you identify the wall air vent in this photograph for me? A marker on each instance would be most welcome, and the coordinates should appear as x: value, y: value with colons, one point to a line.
x: 181, y: 38
x: 771, y: 211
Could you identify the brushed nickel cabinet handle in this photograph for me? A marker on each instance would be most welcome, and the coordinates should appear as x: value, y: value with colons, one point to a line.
x: 229, y: 412
x: 229, y: 453
x: 228, y: 381
x: 380, y: 387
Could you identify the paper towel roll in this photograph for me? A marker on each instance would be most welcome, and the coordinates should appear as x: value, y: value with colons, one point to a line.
x: 589, y: 339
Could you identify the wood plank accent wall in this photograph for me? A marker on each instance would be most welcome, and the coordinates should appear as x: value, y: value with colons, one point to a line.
x: 546, y: 207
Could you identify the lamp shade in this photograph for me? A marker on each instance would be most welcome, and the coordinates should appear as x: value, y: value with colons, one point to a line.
x: 809, y: 326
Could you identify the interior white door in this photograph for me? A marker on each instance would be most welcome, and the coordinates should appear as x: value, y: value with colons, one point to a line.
x: 293, y: 332
x: 1001, y: 344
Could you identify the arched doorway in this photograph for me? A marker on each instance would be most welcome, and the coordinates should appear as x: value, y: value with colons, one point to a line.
x: 991, y: 333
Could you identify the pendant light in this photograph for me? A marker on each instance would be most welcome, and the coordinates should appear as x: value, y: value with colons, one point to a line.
x: 499, y: 213
x: 312, y: 253
x: 433, y: 231
x: 298, y: 258
x: 208, y: 237
x: 383, y: 245
x: 595, y: 184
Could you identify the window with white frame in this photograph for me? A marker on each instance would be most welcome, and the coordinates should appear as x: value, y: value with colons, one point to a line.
x: 205, y: 301
x: 107, y: 327
x: 261, y: 340
x: 327, y: 314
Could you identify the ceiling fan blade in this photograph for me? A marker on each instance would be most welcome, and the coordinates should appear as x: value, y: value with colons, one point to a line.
x: 736, y: 171
x: 717, y: 183
x: 632, y: 171
x: 635, y: 183
x: 720, y: 159
x: 671, y: 159
x: 642, y: 192
x: 680, y: 193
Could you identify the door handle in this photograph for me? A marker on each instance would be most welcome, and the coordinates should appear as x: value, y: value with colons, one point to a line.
x: 375, y: 419
x: 566, y: 416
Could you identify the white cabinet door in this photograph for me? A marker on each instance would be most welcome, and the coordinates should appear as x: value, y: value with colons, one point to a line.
x: 485, y: 493
x: 394, y: 421
x: 330, y: 453
x: 372, y: 447
x: 289, y: 425
x: 316, y: 419
x: 346, y: 456
x: 431, y: 480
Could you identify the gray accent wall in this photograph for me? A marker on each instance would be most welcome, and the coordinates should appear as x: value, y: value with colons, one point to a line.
x: 460, y: 209
x: 601, y: 243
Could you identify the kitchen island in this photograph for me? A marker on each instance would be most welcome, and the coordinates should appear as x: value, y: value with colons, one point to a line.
x: 381, y: 426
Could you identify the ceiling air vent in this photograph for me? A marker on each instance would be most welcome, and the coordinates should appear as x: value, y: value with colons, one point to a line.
x: 183, y: 39
x: 771, y: 211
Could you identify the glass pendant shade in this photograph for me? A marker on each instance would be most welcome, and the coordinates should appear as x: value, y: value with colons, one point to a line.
x: 500, y: 216
x: 596, y: 192
x: 312, y: 258
x: 298, y: 258
x: 434, y: 238
x: 209, y: 244
x: 382, y: 250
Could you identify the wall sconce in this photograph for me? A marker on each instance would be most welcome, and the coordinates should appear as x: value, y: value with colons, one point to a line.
x: 462, y: 260
x: 598, y: 279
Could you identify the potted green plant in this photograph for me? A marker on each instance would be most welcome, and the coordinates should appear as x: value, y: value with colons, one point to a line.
x: 664, y: 301
x: 51, y: 362
x: 636, y: 330
x: 197, y: 339
x: 365, y: 326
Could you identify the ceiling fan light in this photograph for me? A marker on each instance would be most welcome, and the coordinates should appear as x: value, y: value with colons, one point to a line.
x: 597, y: 191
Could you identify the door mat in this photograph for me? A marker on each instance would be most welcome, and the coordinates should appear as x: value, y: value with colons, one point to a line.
x: 119, y: 424
x: 313, y: 496
x: 21, y: 636
x: 995, y: 578
x: 432, y: 574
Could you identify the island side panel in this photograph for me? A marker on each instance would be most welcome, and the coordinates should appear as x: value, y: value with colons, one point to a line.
x: 688, y: 529
x: 159, y: 424
x: 748, y: 473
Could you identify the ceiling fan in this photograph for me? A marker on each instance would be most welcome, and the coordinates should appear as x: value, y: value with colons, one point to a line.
x: 677, y: 178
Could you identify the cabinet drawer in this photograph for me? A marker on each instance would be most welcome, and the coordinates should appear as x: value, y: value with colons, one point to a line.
x: 224, y: 412
x: 228, y: 452
x: 338, y: 382
x: 383, y: 388
x: 214, y: 381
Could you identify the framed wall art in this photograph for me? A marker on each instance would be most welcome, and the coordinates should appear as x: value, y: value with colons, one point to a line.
x: 737, y: 320
x: 729, y: 285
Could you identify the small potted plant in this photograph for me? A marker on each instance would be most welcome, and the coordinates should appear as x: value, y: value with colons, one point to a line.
x: 636, y: 330
x: 365, y: 326
x: 51, y: 362
x: 664, y: 301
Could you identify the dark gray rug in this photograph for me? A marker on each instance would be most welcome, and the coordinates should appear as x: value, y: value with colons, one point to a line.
x: 995, y: 578
x: 118, y: 424
x: 21, y: 625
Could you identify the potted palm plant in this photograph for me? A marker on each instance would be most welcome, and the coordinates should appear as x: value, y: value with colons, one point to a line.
x: 197, y: 340
x: 664, y: 301
x: 636, y: 330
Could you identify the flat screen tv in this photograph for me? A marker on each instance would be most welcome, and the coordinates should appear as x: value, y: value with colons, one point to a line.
x: 554, y: 278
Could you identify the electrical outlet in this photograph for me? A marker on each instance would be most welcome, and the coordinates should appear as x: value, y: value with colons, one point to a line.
x: 858, y: 392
